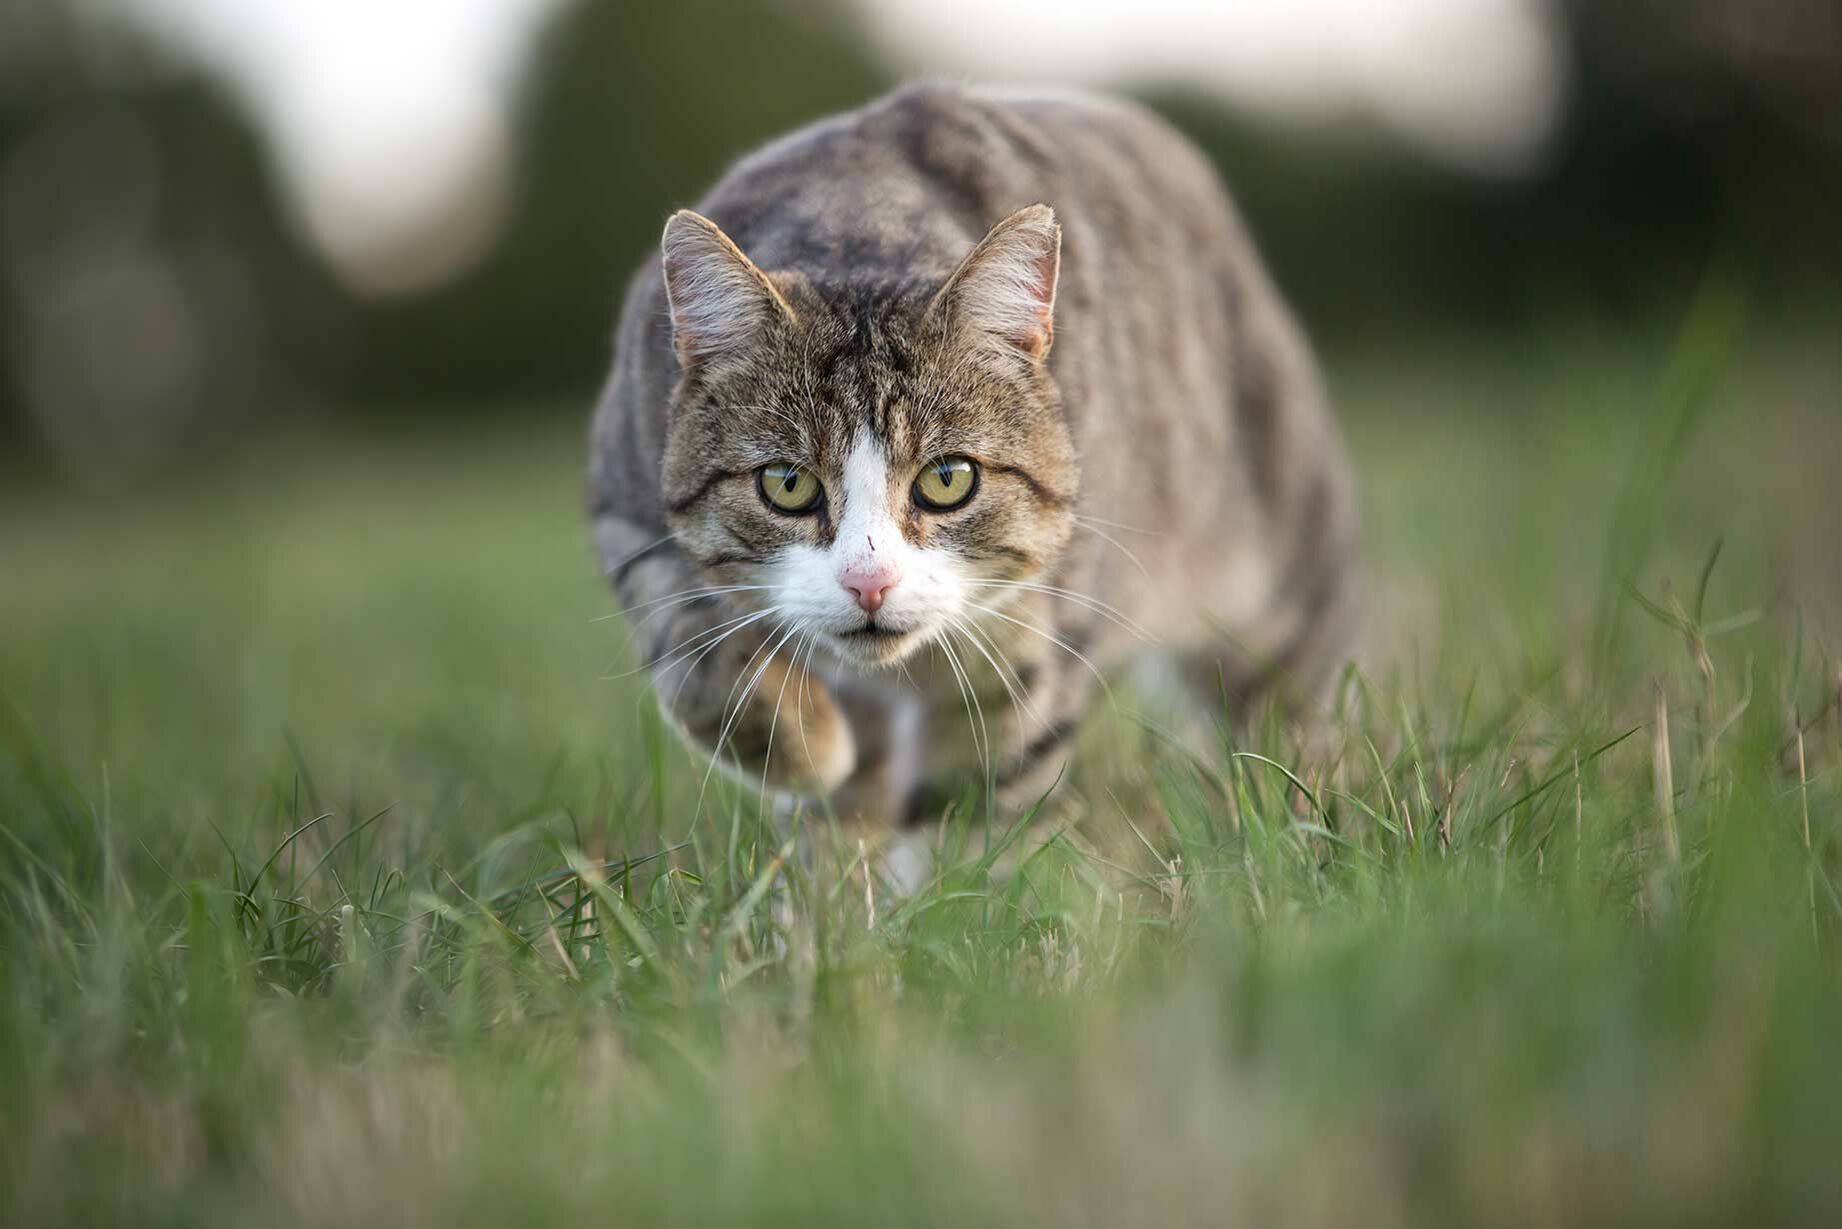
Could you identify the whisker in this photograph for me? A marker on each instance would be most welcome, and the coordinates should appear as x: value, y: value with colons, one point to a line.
x: 764, y: 652
x: 1052, y: 639
x: 686, y: 646
x: 613, y: 569
x: 799, y: 698
x: 634, y: 628
x: 716, y: 750
x: 679, y: 598
x: 1092, y: 604
x: 722, y: 738
x: 981, y: 737
x: 711, y: 647
x: 1081, y: 523
x: 774, y: 724
x: 1101, y: 520
x: 1056, y: 591
x: 967, y: 631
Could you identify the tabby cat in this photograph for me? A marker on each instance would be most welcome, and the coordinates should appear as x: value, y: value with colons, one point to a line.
x: 937, y: 411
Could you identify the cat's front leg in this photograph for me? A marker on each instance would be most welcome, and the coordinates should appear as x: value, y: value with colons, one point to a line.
x: 752, y: 703
x: 1036, y: 731
x: 733, y: 681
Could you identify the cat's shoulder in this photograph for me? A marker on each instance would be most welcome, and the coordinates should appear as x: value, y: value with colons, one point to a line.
x: 937, y: 110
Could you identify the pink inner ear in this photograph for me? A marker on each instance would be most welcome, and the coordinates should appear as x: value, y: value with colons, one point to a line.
x: 1038, y: 325
x: 719, y: 300
x: 1007, y: 287
x: 1038, y: 339
x: 1004, y: 292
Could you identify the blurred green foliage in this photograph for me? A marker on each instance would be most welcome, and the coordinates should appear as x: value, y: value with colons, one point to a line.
x: 1680, y: 150
x: 631, y: 110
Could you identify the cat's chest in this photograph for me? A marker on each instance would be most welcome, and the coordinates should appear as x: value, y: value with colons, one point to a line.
x: 942, y: 678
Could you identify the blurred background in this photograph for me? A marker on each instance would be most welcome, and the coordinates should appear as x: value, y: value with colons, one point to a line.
x: 304, y: 305
x: 222, y: 219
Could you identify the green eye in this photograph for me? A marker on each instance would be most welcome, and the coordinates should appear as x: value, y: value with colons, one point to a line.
x: 946, y: 483
x: 788, y: 488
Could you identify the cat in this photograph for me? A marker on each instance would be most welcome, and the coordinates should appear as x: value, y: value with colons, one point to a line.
x: 936, y: 412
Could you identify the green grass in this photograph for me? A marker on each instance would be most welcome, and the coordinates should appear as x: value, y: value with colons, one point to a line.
x: 296, y: 761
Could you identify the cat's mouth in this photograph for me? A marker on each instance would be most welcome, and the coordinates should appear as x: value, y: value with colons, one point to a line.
x: 876, y: 629
x: 878, y: 642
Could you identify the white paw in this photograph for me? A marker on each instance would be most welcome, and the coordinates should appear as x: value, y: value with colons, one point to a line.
x: 908, y: 863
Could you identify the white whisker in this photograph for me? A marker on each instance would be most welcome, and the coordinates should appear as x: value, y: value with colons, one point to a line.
x: 1092, y: 604
x: 1101, y: 520
x: 632, y: 556
x: 1082, y: 523
x: 981, y: 737
x: 734, y: 714
x: 688, y: 646
x: 1052, y: 639
x: 799, y: 698
x: 774, y: 723
x: 678, y: 599
x: 968, y: 631
x: 678, y: 691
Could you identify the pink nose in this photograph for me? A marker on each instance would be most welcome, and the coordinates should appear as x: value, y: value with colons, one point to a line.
x: 870, y: 585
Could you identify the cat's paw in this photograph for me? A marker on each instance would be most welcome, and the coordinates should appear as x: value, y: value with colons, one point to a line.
x: 783, y: 730
x: 811, y: 749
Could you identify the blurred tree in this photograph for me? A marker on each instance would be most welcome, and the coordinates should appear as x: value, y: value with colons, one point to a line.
x: 150, y: 291
x: 1696, y: 131
x: 1734, y: 109
x: 152, y: 287
x: 631, y: 110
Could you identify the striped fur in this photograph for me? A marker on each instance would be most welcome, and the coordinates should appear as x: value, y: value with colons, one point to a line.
x: 881, y: 290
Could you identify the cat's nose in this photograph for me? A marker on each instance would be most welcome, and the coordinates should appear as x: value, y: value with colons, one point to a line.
x: 870, y: 585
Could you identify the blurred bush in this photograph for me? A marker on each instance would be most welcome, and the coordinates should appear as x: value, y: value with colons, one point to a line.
x: 147, y: 275
x: 631, y: 110
x: 154, y: 291
x: 1697, y: 132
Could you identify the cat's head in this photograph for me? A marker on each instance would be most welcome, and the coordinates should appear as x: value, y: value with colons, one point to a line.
x: 882, y: 463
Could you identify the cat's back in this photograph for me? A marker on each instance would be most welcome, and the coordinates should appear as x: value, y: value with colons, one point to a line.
x: 895, y: 193
x: 1179, y: 363
x: 1187, y: 389
x: 1157, y: 269
x: 903, y: 186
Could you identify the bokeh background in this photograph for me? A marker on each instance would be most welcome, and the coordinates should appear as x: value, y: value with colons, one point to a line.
x: 310, y: 684
x: 304, y: 306
x: 220, y: 220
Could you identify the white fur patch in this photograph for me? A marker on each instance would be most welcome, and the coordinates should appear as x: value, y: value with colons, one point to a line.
x: 867, y: 501
x: 908, y: 863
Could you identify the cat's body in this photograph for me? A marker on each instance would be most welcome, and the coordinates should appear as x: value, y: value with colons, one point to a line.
x: 1169, y: 464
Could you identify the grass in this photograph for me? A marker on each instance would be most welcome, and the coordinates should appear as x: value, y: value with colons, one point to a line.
x: 339, y: 884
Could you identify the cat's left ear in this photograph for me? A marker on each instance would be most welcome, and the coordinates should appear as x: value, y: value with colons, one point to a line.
x: 1003, y: 294
x: 720, y: 302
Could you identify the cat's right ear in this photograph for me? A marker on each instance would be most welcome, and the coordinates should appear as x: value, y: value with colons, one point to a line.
x: 720, y: 302
x: 1003, y: 294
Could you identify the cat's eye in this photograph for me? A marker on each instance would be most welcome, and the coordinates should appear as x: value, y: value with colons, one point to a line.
x: 788, y: 488
x: 946, y: 483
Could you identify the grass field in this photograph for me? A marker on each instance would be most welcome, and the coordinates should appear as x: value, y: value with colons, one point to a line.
x: 297, y: 757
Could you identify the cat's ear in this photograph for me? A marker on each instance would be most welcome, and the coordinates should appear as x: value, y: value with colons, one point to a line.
x: 720, y: 302
x: 1004, y: 292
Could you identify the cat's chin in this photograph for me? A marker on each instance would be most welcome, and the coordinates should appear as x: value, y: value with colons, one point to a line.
x: 877, y: 646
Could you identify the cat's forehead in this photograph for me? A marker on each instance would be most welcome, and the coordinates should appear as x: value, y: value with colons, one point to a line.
x: 864, y: 363
x: 845, y: 375
x: 862, y: 347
